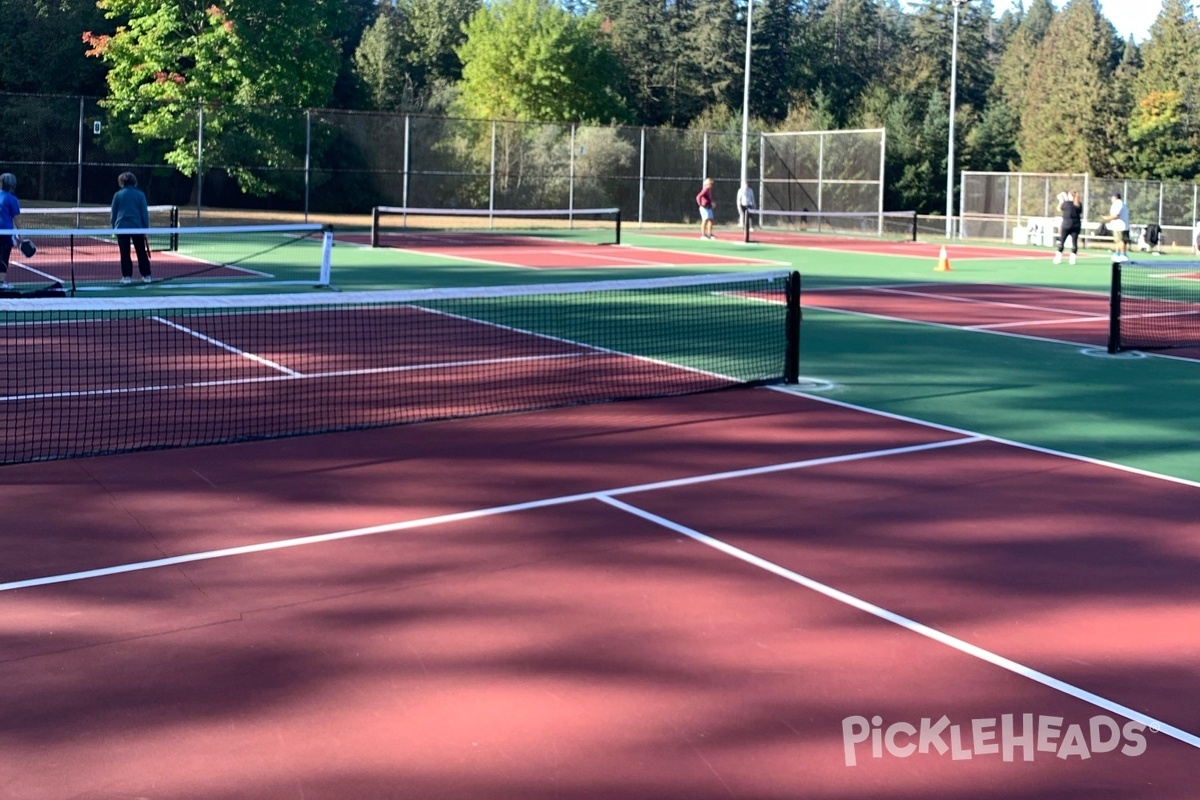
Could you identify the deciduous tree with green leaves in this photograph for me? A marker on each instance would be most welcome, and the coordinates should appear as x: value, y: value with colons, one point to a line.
x: 531, y: 60
x: 1072, y: 97
x: 1164, y: 132
x: 242, y: 63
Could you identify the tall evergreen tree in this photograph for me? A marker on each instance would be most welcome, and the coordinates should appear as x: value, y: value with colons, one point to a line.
x: 647, y: 48
x: 41, y: 47
x: 349, y: 26
x: 409, y: 51
x: 1069, y: 98
x: 379, y: 62
x: 846, y: 46
x: 713, y: 60
x: 1012, y: 73
x: 771, y: 70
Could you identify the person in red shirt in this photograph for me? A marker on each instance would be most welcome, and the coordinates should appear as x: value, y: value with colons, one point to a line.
x: 705, y: 201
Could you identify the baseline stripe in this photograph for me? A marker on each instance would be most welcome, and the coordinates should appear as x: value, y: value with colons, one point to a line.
x: 301, y: 541
x: 912, y: 625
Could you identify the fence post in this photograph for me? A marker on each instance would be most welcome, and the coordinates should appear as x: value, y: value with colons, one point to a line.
x: 882, y: 159
x: 642, y: 178
x: 571, y: 181
x: 1087, y: 193
x: 200, y: 162
x: 1160, y: 203
x: 762, y: 175
x: 404, y: 179
x: 79, y: 172
x: 820, y: 176
x: 307, y: 156
x: 492, y: 180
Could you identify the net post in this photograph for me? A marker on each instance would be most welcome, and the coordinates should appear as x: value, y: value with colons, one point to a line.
x: 914, y: 224
x: 746, y: 226
x: 1114, y: 310
x: 791, y: 366
x: 618, y: 223
x: 375, y: 226
x: 174, y: 222
x: 327, y: 256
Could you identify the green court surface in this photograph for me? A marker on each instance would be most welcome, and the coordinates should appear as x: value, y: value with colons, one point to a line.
x: 1139, y: 412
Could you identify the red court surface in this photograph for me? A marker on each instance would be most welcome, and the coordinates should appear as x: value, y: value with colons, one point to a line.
x: 532, y: 253
x: 700, y: 597
x: 103, y: 263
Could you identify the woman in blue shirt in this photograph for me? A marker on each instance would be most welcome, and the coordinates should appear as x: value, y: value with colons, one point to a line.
x: 130, y: 210
x: 10, y: 209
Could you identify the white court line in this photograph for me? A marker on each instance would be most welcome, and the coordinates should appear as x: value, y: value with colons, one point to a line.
x: 608, y: 497
x: 1145, y: 473
x: 977, y: 301
x: 944, y: 325
x: 38, y: 272
x: 235, y: 350
x: 913, y: 626
x: 1027, y: 323
x: 342, y: 373
x: 981, y: 329
x: 281, y: 544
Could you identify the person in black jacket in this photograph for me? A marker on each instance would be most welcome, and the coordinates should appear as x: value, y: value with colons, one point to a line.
x: 1072, y: 224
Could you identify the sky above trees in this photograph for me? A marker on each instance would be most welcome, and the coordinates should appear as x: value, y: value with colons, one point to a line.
x: 1129, y: 17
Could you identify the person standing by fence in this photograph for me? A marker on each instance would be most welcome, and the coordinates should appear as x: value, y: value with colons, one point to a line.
x: 130, y: 210
x: 745, y: 204
x: 1072, y: 224
x: 1118, y: 222
x: 705, y: 201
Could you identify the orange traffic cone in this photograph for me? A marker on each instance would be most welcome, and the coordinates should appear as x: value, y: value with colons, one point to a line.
x: 943, y: 264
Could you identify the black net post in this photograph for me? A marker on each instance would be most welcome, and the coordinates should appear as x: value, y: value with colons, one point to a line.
x: 375, y: 226
x: 914, y: 226
x: 791, y: 366
x: 174, y: 223
x: 746, y: 227
x: 618, y: 236
x: 1114, y: 310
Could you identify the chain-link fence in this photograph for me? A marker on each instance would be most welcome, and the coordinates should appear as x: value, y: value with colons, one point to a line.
x: 69, y: 150
x: 839, y: 171
x: 1000, y: 205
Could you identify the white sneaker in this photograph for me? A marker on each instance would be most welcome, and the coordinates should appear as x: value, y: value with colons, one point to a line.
x: 126, y: 280
x: 1120, y: 258
x: 1071, y: 259
x: 147, y: 279
x: 1058, y: 258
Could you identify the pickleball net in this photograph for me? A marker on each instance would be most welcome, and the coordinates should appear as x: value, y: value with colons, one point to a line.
x: 399, y: 226
x: 161, y: 216
x: 1154, y: 305
x: 798, y: 227
x: 87, y: 377
x: 298, y: 253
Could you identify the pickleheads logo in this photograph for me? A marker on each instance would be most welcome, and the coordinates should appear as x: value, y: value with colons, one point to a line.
x: 1029, y: 735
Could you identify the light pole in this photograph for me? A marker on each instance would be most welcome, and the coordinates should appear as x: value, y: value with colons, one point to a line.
x: 746, y: 96
x: 950, y: 150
